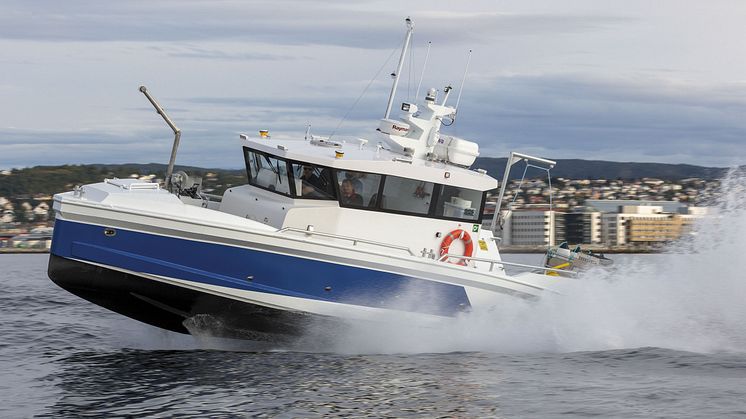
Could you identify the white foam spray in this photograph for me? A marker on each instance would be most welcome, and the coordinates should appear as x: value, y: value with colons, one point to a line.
x: 692, y: 298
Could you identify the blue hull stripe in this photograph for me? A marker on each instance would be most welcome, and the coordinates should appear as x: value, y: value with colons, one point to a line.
x: 229, y: 266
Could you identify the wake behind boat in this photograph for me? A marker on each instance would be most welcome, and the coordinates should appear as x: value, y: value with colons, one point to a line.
x: 387, y: 227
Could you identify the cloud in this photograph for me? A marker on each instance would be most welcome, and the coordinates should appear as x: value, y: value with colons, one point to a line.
x: 631, y: 120
x: 567, y: 116
x: 194, y: 52
x: 612, y: 81
x: 277, y: 22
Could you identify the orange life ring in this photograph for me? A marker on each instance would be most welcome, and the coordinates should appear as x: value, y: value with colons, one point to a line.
x: 457, y: 234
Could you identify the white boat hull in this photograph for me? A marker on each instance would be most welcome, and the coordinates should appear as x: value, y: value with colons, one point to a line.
x: 164, y: 269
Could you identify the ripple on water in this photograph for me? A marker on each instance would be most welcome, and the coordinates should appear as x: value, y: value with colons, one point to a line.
x: 61, y: 356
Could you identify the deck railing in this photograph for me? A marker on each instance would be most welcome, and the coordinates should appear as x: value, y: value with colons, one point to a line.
x: 494, y: 262
x: 354, y: 240
x: 443, y: 258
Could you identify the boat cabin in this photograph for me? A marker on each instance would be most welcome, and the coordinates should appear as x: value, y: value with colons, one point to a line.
x: 352, y: 189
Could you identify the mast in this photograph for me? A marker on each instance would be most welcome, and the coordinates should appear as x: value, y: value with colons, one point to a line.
x: 177, y: 134
x: 410, y: 29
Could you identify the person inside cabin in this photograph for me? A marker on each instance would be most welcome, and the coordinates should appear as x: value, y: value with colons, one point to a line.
x: 308, y: 175
x: 349, y: 197
x: 309, y: 180
x: 354, y: 177
x: 315, y: 185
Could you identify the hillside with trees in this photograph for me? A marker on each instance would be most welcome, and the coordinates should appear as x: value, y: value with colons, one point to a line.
x: 48, y: 180
x: 599, y: 169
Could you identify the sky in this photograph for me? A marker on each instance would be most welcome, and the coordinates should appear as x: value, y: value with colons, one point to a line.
x: 631, y: 80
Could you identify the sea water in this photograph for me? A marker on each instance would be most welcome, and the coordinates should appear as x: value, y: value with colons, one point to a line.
x: 657, y: 336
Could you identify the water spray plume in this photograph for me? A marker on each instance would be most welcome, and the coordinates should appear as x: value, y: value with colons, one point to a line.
x: 689, y: 298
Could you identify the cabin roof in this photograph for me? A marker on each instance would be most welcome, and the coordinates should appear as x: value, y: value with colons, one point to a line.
x: 368, y: 158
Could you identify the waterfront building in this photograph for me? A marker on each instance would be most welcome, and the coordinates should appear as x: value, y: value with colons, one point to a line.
x: 647, y: 225
x: 5, y: 238
x: 615, y: 205
x: 37, y: 238
x: 529, y: 227
x: 582, y: 226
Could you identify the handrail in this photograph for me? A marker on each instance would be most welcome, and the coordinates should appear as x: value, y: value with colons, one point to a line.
x: 492, y: 263
x: 132, y: 185
x: 142, y: 185
x: 354, y: 240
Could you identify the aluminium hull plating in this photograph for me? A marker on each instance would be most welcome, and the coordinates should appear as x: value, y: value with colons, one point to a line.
x: 172, y: 307
x: 165, y: 281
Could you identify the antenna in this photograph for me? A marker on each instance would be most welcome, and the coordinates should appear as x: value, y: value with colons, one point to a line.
x: 461, y: 89
x: 447, y: 91
x: 410, y: 29
x: 344, y: 118
x: 424, y: 65
x: 411, y: 70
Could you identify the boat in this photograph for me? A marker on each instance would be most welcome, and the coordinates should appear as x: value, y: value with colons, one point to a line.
x: 561, y: 257
x: 326, y: 231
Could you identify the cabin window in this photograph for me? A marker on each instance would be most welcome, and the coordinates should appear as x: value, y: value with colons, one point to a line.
x: 358, y: 189
x: 461, y: 203
x: 406, y: 195
x: 267, y: 172
x: 314, y: 182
